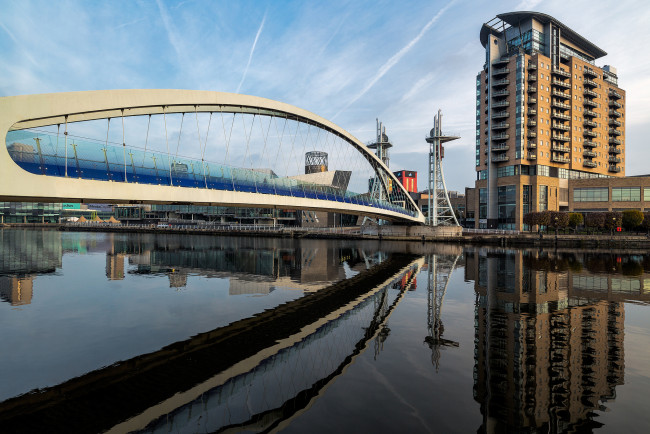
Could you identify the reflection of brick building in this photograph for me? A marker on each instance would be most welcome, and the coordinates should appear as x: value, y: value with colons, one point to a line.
x: 16, y: 290
x: 543, y: 358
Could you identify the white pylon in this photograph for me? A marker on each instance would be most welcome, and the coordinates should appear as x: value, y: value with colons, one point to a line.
x: 441, y: 213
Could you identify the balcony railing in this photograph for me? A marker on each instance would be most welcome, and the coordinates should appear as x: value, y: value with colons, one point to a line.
x: 614, y: 94
x: 501, y: 136
x: 500, y: 71
x: 531, y: 123
x: 560, y: 148
x: 615, y: 169
x: 613, y: 141
x: 614, y: 159
x: 499, y: 115
x: 561, y: 84
x: 561, y: 105
x: 532, y: 100
x: 587, y: 153
x: 532, y: 89
x: 561, y: 138
x: 561, y: 72
x: 532, y: 78
x: 613, y: 132
x: 589, y: 123
x: 500, y: 61
x: 532, y: 145
x: 561, y: 94
x: 500, y: 104
x: 588, y: 133
x: 589, y: 103
x: 614, y: 122
x: 532, y: 134
x: 590, y: 93
x: 531, y: 112
x: 531, y: 156
x: 500, y: 93
x: 559, y: 115
x: 590, y: 83
x: 560, y: 159
x: 590, y: 144
x: 613, y: 103
x: 499, y: 148
x: 590, y: 72
x: 532, y: 66
x: 614, y: 113
x: 502, y: 82
x: 560, y: 127
x: 614, y: 150
x: 587, y: 163
x: 500, y: 126
x: 593, y: 114
x: 500, y: 158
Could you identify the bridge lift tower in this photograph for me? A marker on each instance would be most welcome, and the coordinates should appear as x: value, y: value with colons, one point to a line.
x: 381, y: 147
x: 441, y: 213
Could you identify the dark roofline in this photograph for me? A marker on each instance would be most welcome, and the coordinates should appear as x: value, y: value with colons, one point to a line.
x: 514, y: 18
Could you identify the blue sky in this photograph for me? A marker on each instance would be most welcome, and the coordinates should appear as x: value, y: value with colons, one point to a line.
x: 349, y: 62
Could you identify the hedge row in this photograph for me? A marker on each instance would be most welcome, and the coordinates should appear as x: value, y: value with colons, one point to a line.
x: 629, y: 219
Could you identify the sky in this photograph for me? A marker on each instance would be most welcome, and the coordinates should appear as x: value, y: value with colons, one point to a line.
x: 349, y: 62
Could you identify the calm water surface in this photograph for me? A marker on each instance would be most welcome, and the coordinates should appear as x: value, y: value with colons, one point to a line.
x: 166, y: 333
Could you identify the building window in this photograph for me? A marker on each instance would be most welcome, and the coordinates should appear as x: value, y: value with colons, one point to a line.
x: 482, y: 203
x: 626, y: 194
x: 543, y: 197
x: 597, y: 194
x: 507, y: 198
x: 646, y: 194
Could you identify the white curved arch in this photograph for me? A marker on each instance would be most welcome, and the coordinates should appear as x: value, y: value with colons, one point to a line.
x: 28, y: 111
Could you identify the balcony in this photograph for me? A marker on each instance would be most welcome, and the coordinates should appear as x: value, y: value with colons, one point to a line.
x: 614, y: 94
x: 590, y: 93
x: 500, y: 93
x: 499, y: 148
x: 590, y: 113
x: 614, y: 150
x: 613, y: 132
x: 614, y: 169
x: 532, y: 145
x: 588, y: 133
x: 589, y: 144
x: 532, y: 78
x: 499, y: 83
x: 587, y: 163
x: 531, y: 123
x: 561, y: 138
x: 532, y: 100
x: 614, y: 122
x: 501, y: 136
x: 559, y: 148
x: 560, y: 105
x: 501, y: 126
x: 500, y: 71
x: 531, y: 112
x: 591, y: 154
x: 614, y: 114
x: 500, y: 158
x: 614, y: 160
x: 613, y: 141
x: 561, y: 94
x: 500, y: 115
x: 500, y: 104
x: 589, y: 103
x: 501, y: 62
x: 589, y: 83
x: 531, y: 156
x: 561, y: 72
x: 560, y: 127
x: 560, y: 159
x: 561, y: 84
x: 532, y: 134
x: 613, y: 103
x: 532, y: 66
x: 558, y: 115
x: 589, y: 72
x: 532, y: 89
x: 589, y: 123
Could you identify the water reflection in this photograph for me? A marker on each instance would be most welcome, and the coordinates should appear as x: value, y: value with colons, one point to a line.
x: 549, y: 330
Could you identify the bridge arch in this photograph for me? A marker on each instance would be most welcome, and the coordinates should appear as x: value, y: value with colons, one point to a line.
x: 24, y: 113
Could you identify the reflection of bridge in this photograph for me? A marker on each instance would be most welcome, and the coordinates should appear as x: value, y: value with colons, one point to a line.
x: 218, y: 379
x: 60, y: 148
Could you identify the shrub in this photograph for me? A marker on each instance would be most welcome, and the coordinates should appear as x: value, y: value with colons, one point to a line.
x: 575, y: 219
x: 558, y: 220
x: 613, y: 219
x: 632, y: 219
x: 595, y: 220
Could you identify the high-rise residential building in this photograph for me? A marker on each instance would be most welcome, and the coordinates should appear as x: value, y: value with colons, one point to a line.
x: 545, y: 113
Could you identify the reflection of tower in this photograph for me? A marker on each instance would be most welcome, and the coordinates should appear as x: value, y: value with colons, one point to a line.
x: 438, y: 274
x: 16, y: 290
x: 115, y: 266
x: 543, y: 359
x: 440, y: 210
x: 381, y: 147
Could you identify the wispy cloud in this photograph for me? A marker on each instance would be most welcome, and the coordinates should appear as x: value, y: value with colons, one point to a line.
x: 527, y: 5
x: 395, y: 58
x: 250, y: 56
x: 169, y: 28
x: 417, y: 87
x: 129, y: 23
x: 18, y: 44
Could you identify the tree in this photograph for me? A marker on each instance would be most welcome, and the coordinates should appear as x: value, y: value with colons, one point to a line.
x: 645, y: 224
x: 595, y: 220
x: 575, y: 220
x: 632, y: 219
x: 613, y: 219
x: 558, y: 219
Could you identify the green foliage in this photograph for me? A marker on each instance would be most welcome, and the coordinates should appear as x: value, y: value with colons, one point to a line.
x: 595, y: 220
x: 613, y: 219
x: 632, y: 219
x: 575, y: 219
x: 645, y: 224
x: 558, y: 220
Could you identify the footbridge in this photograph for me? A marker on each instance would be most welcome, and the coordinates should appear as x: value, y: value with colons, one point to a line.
x: 189, y: 147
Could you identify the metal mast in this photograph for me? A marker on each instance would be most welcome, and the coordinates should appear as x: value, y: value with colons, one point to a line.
x: 440, y: 209
x: 438, y: 274
x: 381, y: 145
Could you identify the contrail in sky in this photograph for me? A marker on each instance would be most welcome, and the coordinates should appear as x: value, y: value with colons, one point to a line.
x: 396, y: 58
x: 250, y: 56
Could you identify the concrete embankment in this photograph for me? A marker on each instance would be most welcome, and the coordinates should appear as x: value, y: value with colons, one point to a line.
x: 383, y: 233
